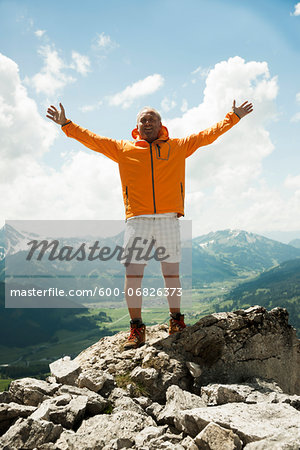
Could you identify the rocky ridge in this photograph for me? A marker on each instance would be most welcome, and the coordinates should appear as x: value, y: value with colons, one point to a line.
x: 230, y: 381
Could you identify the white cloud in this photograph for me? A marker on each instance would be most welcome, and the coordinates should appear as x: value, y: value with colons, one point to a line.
x: 104, y: 42
x: 40, y: 33
x: 81, y: 63
x: 28, y: 22
x: 29, y: 189
x: 198, y: 70
x: 72, y: 192
x: 201, y: 71
x: 292, y: 182
x: 184, y: 106
x: 167, y: 104
x: 89, y: 108
x: 52, y: 76
x: 297, y: 10
x: 296, y: 117
x: 23, y: 131
x: 224, y: 184
x: 141, y: 88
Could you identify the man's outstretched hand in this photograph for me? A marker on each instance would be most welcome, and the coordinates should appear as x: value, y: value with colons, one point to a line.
x: 57, y: 116
x: 242, y: 110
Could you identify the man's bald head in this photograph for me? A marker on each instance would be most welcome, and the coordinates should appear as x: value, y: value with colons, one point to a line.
x: 149, y: 124
x: 150, y: 109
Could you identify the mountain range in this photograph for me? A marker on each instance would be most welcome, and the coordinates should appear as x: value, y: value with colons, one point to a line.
x: 229, y: 254
x: 216, y: 256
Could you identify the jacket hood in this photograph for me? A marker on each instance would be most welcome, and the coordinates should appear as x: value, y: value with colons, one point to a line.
x: 163, y: 134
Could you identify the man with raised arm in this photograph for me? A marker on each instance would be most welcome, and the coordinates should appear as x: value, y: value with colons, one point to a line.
x: 152, y: 171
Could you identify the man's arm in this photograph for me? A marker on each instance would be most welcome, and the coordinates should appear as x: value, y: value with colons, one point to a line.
x: 106, y: 146
x: 209, y: 135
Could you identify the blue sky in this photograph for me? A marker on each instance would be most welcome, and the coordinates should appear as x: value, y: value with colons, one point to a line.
x: 189, y: 59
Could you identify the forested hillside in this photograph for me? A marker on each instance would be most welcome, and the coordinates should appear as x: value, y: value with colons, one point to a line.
x: 279, y: 286
x: 23, y: 327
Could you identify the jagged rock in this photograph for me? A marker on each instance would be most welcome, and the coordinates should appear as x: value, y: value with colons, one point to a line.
x: 96, y: 404
x: 6, y: 397
x: 119, y: 444
x: 256, y: 392
x: 294, y: 401
x: 48, y: 446
x: 147, y: 434
x: 127, y: 404
x: 65, y: 370
x: 61, y: 443
x: 280, y: 442
x: 116, y: 394
x: 189, y: 444
x: 50, y: 379
x: 11, y: 411
x: 231, y: 347
x: 155, y: 359
x: 177, y: 400
x: 65, y: 409
x: 194, y: 369
x: 160, y: 382
x: 270, y: 392
x: 30, y: 391
x: 144, y: 402
x: 154, y: 438
x: 146, y: 378
x: 99, y: 431
x: 225, y: 347
x: 30, y: 434
x: 43, y: 411
x: 94, y: 380
x: 219, y: 394
x: 249, y: 422
x: 214, y: 437
x: 154, y: 410
x: 132, y: 390
x: 166, y: 440
x: 156, y: 365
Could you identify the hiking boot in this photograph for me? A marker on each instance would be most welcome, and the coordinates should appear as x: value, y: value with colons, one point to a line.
x: 136, y: 337
x: 176, y: 323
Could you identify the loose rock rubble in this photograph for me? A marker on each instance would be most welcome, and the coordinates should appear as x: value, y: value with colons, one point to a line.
x: 230, y: 381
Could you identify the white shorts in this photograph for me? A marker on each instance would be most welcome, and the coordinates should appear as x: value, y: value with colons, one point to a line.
x: 156, y: 237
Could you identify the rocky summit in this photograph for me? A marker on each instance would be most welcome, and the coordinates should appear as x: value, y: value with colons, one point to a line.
x: 230, y: 381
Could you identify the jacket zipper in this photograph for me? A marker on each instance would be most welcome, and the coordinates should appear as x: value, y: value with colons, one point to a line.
x: 153, y: 190
x: 182, y: 194
x: 126, y: 198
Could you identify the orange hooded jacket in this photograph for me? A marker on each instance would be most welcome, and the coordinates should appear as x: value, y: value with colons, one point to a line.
x: 152, y: 175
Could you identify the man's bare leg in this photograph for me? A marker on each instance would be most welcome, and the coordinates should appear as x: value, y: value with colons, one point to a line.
x: 133, y: 281
x: 170, y: 273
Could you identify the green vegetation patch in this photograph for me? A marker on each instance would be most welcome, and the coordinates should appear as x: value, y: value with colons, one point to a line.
x: 123, y: 380
x: 4, y: 384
